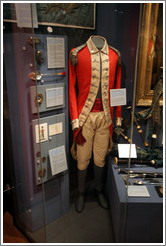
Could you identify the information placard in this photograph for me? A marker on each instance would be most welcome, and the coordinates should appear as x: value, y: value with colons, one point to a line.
x: 127, y: 151
x: 117, y: 97
x: 55, y: 129
x: 56, y: 52
x: 54, y: 97
x: 138, y: 191
x: 23, y: 15
x: 58, y: 160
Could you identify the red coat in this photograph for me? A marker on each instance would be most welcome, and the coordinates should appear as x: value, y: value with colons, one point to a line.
x: 86, y: 71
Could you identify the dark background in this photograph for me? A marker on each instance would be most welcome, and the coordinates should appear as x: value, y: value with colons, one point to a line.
x: 118, y: 23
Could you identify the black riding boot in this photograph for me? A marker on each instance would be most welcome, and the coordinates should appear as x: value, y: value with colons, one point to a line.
x: 80, y: 199
x: 98, y: 171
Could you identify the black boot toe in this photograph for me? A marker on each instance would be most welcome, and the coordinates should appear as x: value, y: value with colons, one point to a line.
x: 80, y: 202
x: 101, y: 199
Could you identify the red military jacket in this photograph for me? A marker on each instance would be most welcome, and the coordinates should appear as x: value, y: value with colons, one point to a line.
x: 89, y: 67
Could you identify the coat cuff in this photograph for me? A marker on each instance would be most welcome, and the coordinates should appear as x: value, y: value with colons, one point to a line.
x: 75, y: 124
x: 118, y: 121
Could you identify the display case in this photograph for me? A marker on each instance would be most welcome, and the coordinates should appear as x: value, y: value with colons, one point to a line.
x: 37, y: 87
x: 135, y: 171
x: 37, y: 43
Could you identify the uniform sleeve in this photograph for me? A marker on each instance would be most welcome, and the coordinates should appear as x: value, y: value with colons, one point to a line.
x: 72, y: 96
x: 118, y: 86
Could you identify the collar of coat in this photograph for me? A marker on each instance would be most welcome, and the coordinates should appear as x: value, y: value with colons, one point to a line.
x: 93, y: 49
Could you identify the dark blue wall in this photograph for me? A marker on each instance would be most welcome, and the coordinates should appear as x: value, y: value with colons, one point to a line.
x: 118, y: 23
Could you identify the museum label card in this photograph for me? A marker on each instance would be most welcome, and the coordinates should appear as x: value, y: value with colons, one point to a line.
x: 55, y: 52
x: 23, y: 15
x: 124, y: 151
x: 54, y: 97
x: 58, y: 160
x: 55, y: 129
x: 138, y: 190
x: 117, y: 97
x: 42, y: 133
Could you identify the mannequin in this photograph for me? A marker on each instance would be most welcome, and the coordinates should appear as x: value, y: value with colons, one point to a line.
x: 96, y: 67
x: 98, y: 42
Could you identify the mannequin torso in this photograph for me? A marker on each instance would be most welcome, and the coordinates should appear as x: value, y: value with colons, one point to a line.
x: 98, y: 42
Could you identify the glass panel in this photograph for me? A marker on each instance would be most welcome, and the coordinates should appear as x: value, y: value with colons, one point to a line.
x: 57, y: 38
x: 46, y: 79
x: 27, y: 197
x: 143, y: 176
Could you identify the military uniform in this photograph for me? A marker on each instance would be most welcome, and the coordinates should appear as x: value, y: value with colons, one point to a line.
x: 94, y: 70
